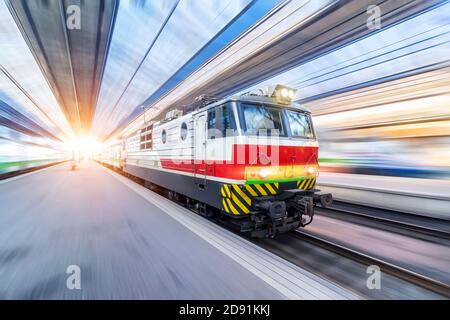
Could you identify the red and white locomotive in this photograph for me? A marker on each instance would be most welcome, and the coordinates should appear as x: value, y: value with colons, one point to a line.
x: 254, y: 157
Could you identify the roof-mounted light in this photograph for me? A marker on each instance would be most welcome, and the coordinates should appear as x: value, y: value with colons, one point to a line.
x: 281, y: 94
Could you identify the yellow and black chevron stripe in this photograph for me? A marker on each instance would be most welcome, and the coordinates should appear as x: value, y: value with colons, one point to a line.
x: 306, y: 184
x: 237, y: 199
x: 263, y: 189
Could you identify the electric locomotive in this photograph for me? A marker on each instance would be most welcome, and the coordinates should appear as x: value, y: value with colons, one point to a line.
x: 253, y: 157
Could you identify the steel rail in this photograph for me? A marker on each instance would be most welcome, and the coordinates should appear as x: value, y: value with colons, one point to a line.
x: 390, y: 268
x: 435, y: 232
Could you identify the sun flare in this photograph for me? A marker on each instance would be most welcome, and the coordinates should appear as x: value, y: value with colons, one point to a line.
x: 84, y: 144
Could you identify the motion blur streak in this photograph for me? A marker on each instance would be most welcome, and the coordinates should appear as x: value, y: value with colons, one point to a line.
x: 382, y: 103
x: 380, y: 108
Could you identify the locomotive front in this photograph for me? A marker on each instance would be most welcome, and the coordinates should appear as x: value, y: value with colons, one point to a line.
x: 274, y: 159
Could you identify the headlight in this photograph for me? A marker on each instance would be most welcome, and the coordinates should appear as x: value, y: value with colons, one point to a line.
x: 291, y: 94
x: 280, y: 173
x: 263, y: 173
x: 312, y: 170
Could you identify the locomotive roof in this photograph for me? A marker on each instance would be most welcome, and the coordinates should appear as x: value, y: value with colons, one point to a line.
x: 257, y: 99
x: 241, y: 98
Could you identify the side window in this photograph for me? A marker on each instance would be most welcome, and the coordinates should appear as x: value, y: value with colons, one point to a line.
x: 211, y: 118
x: 220, y: 119
x: 164, y: 136
x: 183, y: 131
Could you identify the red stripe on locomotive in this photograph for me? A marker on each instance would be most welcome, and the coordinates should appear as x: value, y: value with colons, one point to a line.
x: 244, y: 156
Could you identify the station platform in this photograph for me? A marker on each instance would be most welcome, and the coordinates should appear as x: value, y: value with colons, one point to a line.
x: 425, y: 197
x: 130, y: 243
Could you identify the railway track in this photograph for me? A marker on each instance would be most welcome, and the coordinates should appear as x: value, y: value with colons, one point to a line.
x: 394, y: 270
x: 400, y: 272
x: 427, y: 226
x: 385, y: 266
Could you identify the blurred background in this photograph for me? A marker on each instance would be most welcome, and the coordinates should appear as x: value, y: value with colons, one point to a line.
x: 78, y: 76
x: 382, y: 103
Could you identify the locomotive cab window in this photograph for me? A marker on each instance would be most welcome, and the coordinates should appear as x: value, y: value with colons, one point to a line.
x: 300, y: 124
x: 220, y: 122
x: 261, y: 119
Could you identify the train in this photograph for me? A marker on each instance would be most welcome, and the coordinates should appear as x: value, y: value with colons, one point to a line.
x: 252, y: 159
x: 20, y: 152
